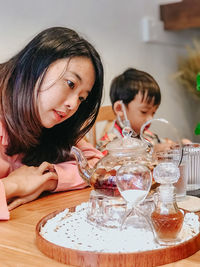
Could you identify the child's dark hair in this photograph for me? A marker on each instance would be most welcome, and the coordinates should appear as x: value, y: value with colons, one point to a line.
x: 132, y: 81
x: 20, y: 81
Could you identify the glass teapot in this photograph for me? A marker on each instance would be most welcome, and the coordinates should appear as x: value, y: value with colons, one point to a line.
x: 121, y: 151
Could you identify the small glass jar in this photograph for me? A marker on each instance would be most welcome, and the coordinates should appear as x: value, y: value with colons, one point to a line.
x: 167, y: 219
x: 179, y: 158
x: 105, y: 211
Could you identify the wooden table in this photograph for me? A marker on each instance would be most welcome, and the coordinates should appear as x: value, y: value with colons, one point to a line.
x: 17, y: 236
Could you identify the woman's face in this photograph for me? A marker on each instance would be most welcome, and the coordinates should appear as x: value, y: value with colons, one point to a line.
x: 66, y: 84
x: 140, y: 111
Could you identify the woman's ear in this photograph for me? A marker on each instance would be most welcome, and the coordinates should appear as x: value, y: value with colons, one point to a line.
x: 117, y: 107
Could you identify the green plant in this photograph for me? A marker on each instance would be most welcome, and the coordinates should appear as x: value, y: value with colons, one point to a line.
x: 189, y: 67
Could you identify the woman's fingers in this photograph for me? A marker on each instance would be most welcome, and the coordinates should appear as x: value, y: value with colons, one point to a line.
x: 30, y: 182
x: 50, y: 176
x: 46, y: 167
x: 15, y: 203
x: 19, y: 201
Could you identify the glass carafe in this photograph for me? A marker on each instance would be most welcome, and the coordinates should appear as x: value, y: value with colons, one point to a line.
x: 167, y: 218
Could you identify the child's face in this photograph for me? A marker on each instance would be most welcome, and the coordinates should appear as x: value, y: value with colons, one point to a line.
x: 66, y: 84
x: 139, y: 112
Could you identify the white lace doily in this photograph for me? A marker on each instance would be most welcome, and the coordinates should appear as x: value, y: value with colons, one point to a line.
x: 73, y: 230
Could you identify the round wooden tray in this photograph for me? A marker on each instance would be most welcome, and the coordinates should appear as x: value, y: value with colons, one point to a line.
x: 97, y: 259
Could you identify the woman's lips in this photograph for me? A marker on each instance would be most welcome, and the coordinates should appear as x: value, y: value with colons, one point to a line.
x: 59, y: 115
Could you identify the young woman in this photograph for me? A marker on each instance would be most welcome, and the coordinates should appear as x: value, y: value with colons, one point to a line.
x: 50, y: 94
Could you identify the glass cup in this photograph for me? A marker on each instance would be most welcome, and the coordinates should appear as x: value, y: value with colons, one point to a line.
x: 181, y: 185
x: 174, y: 156
x: 193, y: 165
x: 105, y: 211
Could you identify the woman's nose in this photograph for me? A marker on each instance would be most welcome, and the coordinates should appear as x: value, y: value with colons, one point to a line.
x: 72, y: 102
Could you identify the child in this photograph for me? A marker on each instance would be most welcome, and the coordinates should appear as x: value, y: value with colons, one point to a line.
x: 50, y: 94
x: 135, y: 98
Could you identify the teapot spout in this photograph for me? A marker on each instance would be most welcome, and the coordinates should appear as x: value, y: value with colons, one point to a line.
x: 83, y: 167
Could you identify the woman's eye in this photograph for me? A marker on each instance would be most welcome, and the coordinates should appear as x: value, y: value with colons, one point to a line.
x: 81, y: 98
x: 70, y: 83
x: 143, y: 112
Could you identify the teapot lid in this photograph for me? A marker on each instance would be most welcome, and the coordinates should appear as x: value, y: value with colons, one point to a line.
x: 127, y: 144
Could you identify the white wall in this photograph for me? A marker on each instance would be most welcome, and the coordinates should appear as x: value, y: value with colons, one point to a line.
x: 114, y: 28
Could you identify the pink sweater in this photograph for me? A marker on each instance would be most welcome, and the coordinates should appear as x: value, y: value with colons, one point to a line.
x: 68, y: 176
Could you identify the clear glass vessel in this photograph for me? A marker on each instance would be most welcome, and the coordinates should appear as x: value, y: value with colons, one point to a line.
x: 134, y: 182
x: 167, y: 218
x: 106, y: 202
x: 121, y: 152
x: 106, y: 206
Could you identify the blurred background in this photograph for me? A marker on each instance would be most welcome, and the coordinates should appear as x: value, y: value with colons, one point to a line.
x: 126, y: 33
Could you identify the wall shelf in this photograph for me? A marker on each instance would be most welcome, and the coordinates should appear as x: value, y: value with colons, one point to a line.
x: 181, y: 15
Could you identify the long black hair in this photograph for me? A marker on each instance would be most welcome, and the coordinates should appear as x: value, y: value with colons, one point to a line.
x: 20, y: 81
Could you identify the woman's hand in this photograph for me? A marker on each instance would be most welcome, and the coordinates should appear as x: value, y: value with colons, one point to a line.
x: 50, y: 185
x: 27, y: 183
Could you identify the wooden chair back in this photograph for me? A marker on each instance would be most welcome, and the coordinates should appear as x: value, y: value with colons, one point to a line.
x: 105, y: 114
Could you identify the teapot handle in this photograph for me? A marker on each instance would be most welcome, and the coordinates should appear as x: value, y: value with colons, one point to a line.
x: 150, y: 145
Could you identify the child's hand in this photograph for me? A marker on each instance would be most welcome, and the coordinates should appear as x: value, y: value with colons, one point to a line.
x: 169, y: 144
x: 161, y: 147
x: 185, y: 141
